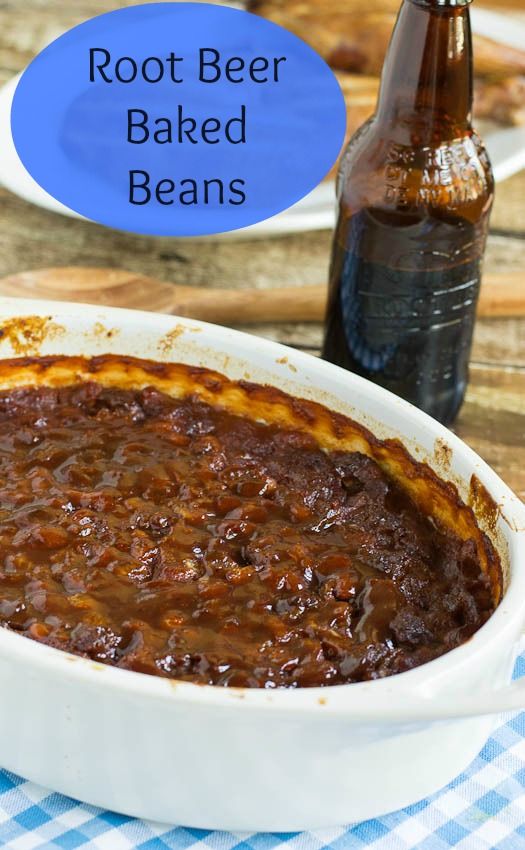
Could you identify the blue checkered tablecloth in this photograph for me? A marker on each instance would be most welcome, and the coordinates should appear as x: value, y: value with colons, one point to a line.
x: 483, y: 809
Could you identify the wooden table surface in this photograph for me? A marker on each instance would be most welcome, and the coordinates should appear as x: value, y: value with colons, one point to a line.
x: 492, y: 420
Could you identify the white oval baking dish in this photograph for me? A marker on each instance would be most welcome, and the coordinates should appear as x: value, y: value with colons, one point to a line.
x: 252, y: 759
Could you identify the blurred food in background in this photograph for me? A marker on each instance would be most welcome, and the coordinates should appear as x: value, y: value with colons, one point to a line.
x: 353, y: 40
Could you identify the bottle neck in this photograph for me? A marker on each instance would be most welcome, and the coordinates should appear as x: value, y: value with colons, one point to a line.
x: 427, y: 75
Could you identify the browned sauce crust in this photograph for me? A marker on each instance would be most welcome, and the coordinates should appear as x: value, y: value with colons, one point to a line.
x: 149, y: 522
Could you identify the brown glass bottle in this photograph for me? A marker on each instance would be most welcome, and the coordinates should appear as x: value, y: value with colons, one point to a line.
x: 415, y: 191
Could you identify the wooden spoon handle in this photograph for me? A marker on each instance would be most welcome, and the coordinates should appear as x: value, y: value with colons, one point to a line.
x: 249, y: 306
x: 502, y: 294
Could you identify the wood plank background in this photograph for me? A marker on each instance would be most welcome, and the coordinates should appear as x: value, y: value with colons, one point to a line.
x: 493, y: 417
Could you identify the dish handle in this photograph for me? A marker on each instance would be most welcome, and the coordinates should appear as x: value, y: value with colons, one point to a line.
x: 423, y: 710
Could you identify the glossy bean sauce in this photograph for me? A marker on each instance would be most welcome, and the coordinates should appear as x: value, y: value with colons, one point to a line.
x: 170, y: 537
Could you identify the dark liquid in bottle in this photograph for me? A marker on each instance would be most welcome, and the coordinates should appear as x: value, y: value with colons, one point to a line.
x: 415, y: 191
x: 402, y: 305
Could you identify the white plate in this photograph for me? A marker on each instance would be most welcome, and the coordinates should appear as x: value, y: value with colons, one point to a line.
x: 316, y: 211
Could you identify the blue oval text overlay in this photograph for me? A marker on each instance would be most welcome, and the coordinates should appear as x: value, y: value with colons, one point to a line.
x: 178, y: 119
